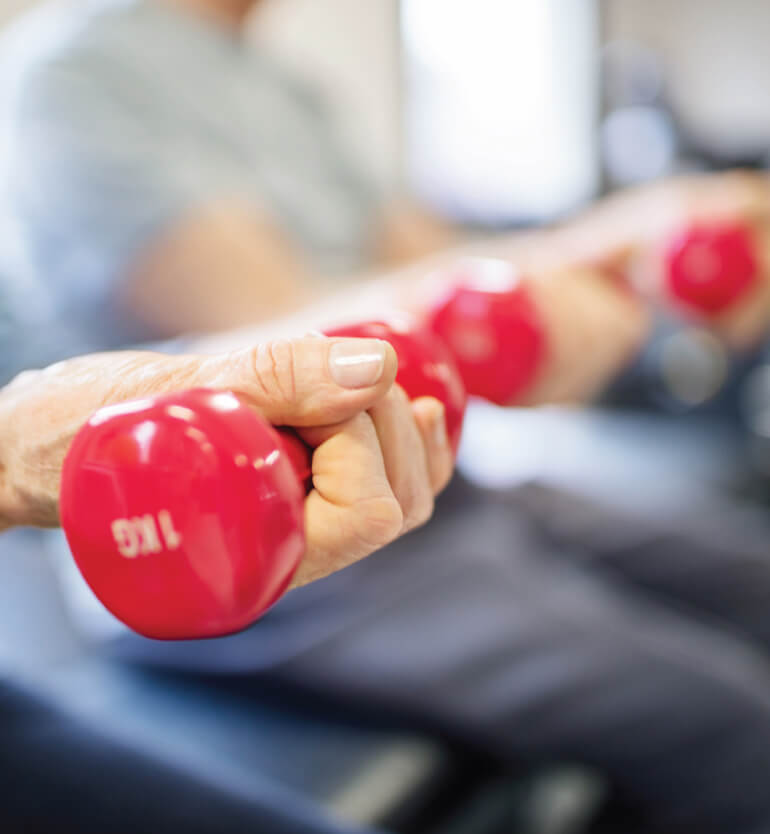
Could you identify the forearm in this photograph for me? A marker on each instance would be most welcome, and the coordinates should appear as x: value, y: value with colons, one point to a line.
x: 24, y: 483
x: 223, y: 267
x: 28, y: 486
x: 228, y: 267
x: 358, y: 296
x: 42, y: 410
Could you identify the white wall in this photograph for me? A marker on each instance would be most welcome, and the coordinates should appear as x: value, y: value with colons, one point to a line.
x: 502, y: 106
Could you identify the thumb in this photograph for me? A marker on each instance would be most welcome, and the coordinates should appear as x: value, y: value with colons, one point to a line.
x: 305, y: 382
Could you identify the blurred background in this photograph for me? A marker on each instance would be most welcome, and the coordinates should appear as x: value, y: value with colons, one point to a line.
x: 685, y: 81
x: 499, y: 115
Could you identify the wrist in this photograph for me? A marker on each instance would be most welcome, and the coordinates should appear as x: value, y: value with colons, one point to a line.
x: 6, y: 513
x: 34, y: 435
x: 28, y: 494
x: 10, y: 509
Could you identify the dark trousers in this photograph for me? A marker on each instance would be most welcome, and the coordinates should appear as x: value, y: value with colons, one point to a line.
x: 57, y: 774
x: 636, y: 650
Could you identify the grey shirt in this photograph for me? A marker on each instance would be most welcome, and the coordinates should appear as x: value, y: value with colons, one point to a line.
x: 120, y: 118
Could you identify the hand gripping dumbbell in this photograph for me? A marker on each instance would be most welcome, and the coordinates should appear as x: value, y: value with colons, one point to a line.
x: 185, y: 512
x: 710, y: 267
x: 486, y: 316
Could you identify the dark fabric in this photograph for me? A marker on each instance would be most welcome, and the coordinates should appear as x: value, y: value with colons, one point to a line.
x: 712, y: 562
x: 59, y: 775
x: 482, y: 626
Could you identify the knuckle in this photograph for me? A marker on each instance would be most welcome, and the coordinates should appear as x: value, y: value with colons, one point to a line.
x: 380, y: 521
x: 444, y: 477
x: 274, y: 365
x: 421, y: 511
x: 400, y: 397
x: 396, y: 399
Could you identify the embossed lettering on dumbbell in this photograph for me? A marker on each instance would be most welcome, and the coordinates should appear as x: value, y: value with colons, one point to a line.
x: 144, y: 536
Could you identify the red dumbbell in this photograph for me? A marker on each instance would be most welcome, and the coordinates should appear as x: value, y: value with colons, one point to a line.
x: 486, y: 317
x: 710, y: 267
x: 185, y: 513
x: 425, y: 366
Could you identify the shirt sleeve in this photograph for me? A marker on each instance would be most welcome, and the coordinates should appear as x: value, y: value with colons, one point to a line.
x: 97, y: 173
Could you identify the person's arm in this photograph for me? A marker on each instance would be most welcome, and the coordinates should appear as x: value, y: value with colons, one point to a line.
x: 408, y: 232
x: 624, y: 233
x: 222, y: 266
x: 378, y: 459
x: 592, y: 325
x: 632, y: 228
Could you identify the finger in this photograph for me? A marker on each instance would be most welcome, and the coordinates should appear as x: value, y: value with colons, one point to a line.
x: 404, y: 455
x: 305, y: 382
x: 430, y: 416
x: 352, y: 510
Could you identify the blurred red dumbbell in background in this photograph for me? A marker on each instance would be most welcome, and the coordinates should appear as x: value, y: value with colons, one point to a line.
x: 709, y: 267
x: 485, y: 315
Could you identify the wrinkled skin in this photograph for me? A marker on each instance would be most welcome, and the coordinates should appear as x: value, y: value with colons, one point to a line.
x: 378, y: 458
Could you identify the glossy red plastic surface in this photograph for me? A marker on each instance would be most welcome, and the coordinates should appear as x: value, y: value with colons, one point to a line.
x: 183, y: 513
x: 488, y: 320
x: 425, y: 366
x: 710, y: 267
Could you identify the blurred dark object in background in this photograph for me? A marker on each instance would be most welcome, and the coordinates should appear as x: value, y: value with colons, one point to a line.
x: 755, y: 420
x: 639, y: 138
x: 643, y: 135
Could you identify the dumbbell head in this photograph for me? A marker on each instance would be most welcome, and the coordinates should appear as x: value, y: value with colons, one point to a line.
x: 425, y: 366
x: 486, y: 316
x: 184, y: 513
x: 711, y: 266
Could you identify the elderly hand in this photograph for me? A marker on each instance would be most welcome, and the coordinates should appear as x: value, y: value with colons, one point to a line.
x: 378, y: 459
